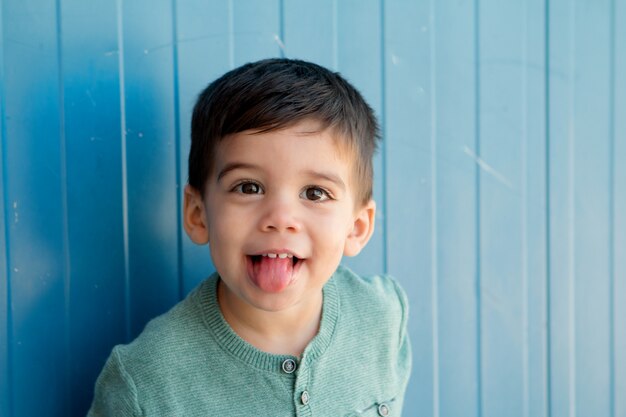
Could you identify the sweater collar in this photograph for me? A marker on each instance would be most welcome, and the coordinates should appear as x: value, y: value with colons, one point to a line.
x: 232, y: 343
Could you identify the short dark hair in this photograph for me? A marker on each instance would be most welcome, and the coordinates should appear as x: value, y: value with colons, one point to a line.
x: 277, y: 93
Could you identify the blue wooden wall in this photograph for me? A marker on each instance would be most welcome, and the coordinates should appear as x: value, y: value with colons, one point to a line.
x: 501, y: 185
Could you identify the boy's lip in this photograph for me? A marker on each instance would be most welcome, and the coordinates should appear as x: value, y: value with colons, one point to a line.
x: 278, y: 252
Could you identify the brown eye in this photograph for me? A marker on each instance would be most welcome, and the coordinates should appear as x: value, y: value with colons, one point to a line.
x: 315, y: 194
x: 248, y: 188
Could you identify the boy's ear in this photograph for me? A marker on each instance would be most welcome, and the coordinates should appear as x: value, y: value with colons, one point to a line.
x: 194, y: 216
x: 362, y: 229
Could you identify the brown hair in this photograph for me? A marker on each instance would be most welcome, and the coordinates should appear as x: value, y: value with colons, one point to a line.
x: 276, y: 93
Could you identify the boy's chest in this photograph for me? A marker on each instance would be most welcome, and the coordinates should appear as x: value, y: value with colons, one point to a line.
x: 349, y: 382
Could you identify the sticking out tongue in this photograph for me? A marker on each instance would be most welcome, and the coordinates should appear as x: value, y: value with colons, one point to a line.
x: 271, y: 274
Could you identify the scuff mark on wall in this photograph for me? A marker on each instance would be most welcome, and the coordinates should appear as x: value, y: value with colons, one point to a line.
x: 93, y: 102
x: 488, y: 168
x: 279, y: 41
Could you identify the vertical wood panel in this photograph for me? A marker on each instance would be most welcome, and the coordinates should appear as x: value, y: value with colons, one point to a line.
x: 619, y: 209
x: 561, y: 210
x: 411, y: 184
x: 591, y: 199
x: 457, y: 208
x: 151, y: 159
x: 98, y: 289
x: 503, y: 158
x: 34, y: 209
x: 5, y: 288
x: 536, y: 372
x: 580, y: 162
x: 508, y: 190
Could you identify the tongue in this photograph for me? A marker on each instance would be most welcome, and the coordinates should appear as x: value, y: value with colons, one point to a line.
x: 272, y: 274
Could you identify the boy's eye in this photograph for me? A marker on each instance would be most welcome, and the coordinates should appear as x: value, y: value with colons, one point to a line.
x: 248, y: 188
x: 315, y: 194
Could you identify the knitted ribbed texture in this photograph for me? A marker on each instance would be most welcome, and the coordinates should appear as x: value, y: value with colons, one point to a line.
x: 189, y: 362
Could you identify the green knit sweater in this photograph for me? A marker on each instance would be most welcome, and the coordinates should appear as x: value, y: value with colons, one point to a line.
x: 189, y: 362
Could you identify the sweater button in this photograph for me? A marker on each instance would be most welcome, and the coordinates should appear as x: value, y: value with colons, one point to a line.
x: 289, y: 365
x: 305, y: 398
x: 383, y: 410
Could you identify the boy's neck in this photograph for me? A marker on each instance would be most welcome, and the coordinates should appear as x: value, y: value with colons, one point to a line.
x: 286, y: 332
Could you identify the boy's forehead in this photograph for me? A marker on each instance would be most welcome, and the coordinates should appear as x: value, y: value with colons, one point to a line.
x: 307, y: 140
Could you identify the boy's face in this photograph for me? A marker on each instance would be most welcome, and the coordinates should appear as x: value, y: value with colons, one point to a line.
x: 279, y: 212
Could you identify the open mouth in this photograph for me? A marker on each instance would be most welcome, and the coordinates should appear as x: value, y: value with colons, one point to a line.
x: 256, y: 259
x: 273, y: 272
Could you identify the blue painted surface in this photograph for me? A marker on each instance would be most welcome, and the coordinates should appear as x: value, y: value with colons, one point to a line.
x: 456, y: 198
x: 580, y: 166
x: 618, y: 211
x: 410, y: 120
x: 34, y: 214
x: 500, y: 184
x: 151, y: 159
x: 503, y: 197
x: 96, y: 280
x: 5, y: 317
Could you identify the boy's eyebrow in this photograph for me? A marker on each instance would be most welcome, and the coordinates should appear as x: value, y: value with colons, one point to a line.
x: 327, y: 176
x: 232, y: 166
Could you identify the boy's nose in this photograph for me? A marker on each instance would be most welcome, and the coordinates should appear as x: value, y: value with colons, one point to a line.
x: 280, y: 215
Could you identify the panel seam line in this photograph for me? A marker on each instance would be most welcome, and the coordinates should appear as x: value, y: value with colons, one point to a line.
x: 122, y: 92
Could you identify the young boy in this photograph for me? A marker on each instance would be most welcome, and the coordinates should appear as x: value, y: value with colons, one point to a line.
x: 280, y: 187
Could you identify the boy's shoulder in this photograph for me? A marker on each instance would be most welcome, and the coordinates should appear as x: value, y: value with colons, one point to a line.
x: 161, y: 364
x: 381, y: 291
x: 377, y: 298
x: 171, y: 337
x: 371, y: 329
